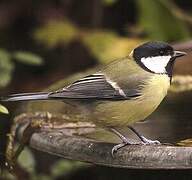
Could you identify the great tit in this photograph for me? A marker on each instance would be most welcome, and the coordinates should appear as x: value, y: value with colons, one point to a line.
x: 124, y: 92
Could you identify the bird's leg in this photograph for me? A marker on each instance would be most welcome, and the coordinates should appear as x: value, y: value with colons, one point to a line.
x: 144, y: 140
x: 124, y: 143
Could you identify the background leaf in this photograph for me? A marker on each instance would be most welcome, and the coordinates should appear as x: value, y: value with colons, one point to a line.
x: 3, y: 109
x: 56, y: 32
x: 109, y: 2
x: 27, y: 58
x: 108, y: 46
x: 26, y: 160
x: 65, y: 166
x: 159, y: 22
x: 6, y: 67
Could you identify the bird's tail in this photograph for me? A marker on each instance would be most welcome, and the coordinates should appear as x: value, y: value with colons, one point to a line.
x: 26, y: 96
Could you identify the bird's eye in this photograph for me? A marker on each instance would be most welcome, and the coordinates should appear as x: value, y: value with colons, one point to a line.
x: 161, y: 52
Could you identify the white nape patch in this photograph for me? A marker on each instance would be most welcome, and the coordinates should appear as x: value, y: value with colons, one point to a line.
x: 156, y: 64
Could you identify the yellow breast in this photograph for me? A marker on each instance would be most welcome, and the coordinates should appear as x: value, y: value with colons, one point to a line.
x: 123, y: 113
x: 156, y: 88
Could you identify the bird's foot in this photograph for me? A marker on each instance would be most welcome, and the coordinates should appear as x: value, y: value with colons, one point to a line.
x: 118, y: 146
x: 124, y: 143
x: 146, y: 141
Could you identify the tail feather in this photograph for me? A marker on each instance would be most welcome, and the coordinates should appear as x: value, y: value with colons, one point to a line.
x: 26, y: 96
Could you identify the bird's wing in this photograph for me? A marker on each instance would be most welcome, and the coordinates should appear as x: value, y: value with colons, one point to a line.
x: 95, y: 86
x: 121, y: 80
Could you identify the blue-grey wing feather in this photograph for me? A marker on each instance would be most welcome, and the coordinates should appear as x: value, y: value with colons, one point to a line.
x: 95, y: 86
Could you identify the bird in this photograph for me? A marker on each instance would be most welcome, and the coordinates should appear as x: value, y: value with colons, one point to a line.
x: 121, y: 93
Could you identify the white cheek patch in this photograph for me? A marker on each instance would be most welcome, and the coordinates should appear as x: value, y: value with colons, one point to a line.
x: 156, y: 64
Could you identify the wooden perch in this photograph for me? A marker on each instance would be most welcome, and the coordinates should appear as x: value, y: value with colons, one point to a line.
x: 87, y: 150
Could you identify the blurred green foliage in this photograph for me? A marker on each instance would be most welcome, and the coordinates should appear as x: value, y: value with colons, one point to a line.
x: 63, y: 167
x: 101, y: 44
x: 158, y: 19
x: 27, y: 161
x: 59, y: 168
x: 7, y: 66
x: 3, y: 109
x: 109, y: 2
x: 108, y: 46
x: 160, y: 22
x: 56, y: 32
x: 181, y: 83
x: 185, y: 142
x: 27, y: 58
x: 7, y: 63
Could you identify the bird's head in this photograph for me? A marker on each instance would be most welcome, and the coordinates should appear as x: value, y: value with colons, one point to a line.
x: 156, y: 57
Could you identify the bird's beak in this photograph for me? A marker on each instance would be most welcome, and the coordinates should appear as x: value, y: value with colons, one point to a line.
x: 179, y: 54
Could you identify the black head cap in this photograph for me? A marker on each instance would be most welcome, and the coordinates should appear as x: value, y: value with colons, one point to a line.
x: 147, y: 56
x: 152, y: 49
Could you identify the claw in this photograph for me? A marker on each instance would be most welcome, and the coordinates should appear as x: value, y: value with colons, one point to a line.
x: 117, y: 147
x: 146, y: 141
x: 124, y: 143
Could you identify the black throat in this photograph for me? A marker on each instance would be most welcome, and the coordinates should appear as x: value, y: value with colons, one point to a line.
x: 169, y: 68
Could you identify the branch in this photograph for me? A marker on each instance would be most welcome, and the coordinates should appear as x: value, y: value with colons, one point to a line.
x: 87, y: 150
